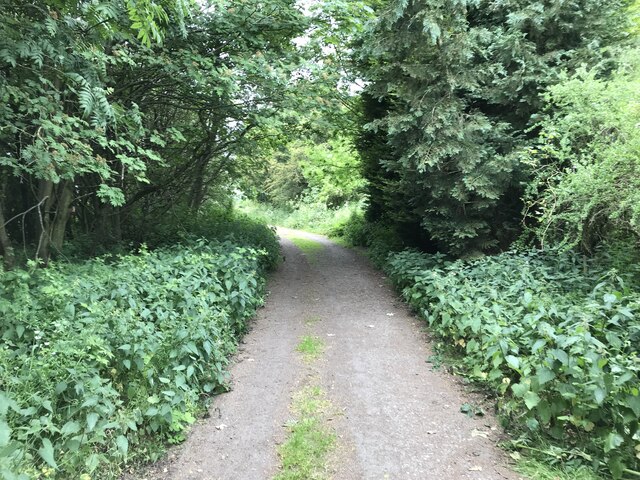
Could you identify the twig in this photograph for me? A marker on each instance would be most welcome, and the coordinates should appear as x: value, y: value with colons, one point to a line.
x: 23, y: 214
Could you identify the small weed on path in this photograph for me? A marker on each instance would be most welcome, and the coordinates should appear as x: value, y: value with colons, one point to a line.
x: 535, y: 469
x: 310, y: 347
x: 304, y: 454
x: 311, y: 321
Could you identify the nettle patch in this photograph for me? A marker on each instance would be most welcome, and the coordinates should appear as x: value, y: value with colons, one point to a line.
x: 100, y: 361
x: 555, y: 338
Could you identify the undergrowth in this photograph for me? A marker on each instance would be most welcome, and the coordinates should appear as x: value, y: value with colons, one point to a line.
x: 212, y: 222
x: 313, y: 217
x: 100, y: 362
x: 541, y: 470
x: 554, y: 336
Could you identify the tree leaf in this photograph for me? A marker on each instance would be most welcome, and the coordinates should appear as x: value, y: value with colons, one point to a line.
x: 92, y: 420
x: 531, y: 400
x: 122, y: 443
x: 5, y: 433
x: 634, y: 404
x: 70, y: 428
x: 545, y: 375
x: 513, y: 362
x: 47, y: 453
x: 520, y: 389
x: 613, y: 441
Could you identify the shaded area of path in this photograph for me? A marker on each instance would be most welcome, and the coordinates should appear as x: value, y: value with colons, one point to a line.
x: 398, y: 419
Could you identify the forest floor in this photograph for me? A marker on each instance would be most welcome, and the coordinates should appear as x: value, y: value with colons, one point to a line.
x: 333, y: 324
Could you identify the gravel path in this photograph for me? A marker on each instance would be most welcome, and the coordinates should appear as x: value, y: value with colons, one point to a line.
x: 398, y: 418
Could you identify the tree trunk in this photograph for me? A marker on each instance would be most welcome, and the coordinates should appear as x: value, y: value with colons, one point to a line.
x: 63, y: 213
x: 43, y: 220
x: 117, y: 224
x: 198, y: 187
x: 6, y: 246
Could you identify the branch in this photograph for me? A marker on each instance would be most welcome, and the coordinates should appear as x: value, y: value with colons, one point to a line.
x: 23, y: 214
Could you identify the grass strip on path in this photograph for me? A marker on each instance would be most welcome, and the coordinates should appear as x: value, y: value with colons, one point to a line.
x: 310, y: 248
x: 311, y: 347
x: 304, y: 454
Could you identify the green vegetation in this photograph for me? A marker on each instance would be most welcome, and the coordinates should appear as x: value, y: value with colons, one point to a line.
x: 586, y: 186
x: 308, y: 188
x: 304, y: 454
x: 130, y: 130
x: 454, y: 90
x: 211, y: 222
x: 311, y: 347
x: 464, y: 156
x: 538, y: 470
x: 103, y: 361
x: 114, y: 111
x: 553, y: 335
x: 310, y: 216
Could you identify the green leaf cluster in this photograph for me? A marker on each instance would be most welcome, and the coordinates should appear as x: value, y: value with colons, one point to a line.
x: 553, y: 335
x: 99, y: 129
x: 586, y: 160
x: 324, y: 172
x: 101, y: 361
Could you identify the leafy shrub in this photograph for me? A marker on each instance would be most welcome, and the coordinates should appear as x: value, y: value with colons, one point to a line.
x: 100, y: 360
x: 353, y: 230
x: 382, y: 240
x: 213, y: 223
x: 586, y: 159
x: 241, y: 230
x: 553, y: 335
x: 379, y: 238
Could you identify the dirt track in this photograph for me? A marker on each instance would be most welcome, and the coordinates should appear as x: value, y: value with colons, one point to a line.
x: 398, y: 418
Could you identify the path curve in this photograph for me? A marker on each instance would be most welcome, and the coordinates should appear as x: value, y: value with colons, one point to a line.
x: 399, y: 419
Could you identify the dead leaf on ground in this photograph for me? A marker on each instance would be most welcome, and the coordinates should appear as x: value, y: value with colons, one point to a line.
x: 479, y: 433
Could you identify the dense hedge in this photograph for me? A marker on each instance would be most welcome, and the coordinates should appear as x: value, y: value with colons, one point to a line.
x: 556, y: 338
x: 100, y: 361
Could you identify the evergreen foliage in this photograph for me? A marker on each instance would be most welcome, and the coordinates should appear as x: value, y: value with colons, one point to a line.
x: 459, y: 82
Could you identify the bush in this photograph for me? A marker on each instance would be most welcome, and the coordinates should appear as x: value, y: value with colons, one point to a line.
x: 353, y: 230
x: 586, y: 159
x: 553, y: 335
x: 100, y: 361
x: 215, y: 224
x: 380, y: 239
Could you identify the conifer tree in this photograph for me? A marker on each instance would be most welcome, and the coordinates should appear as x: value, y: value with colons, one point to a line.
x: 460, y: 81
